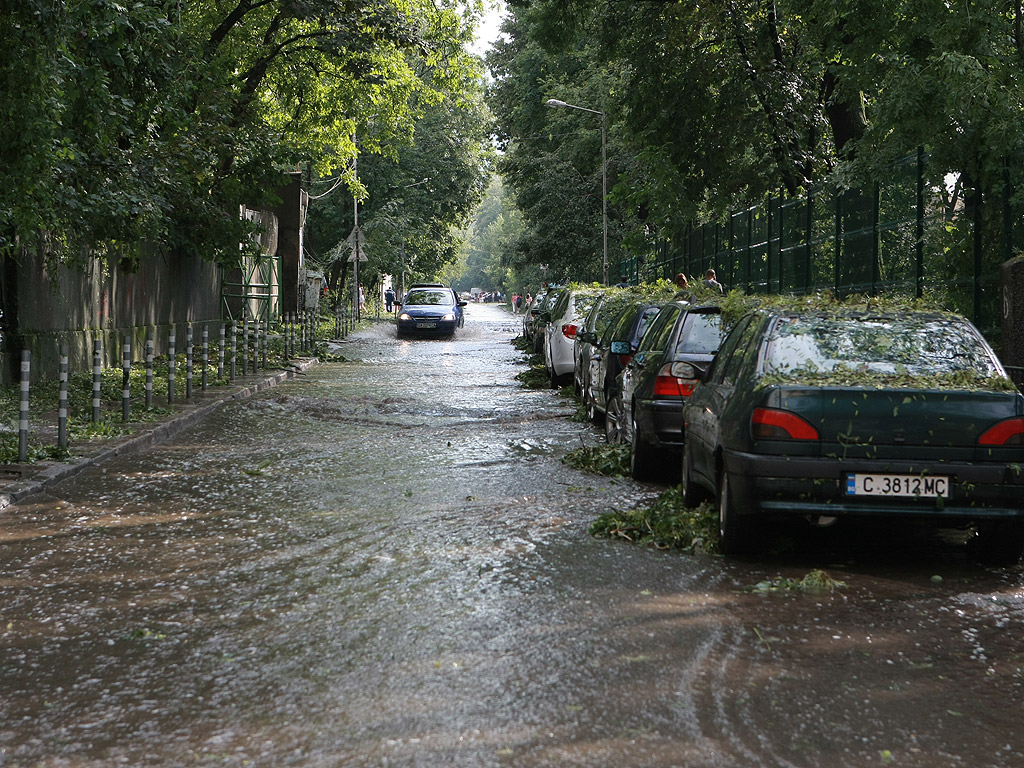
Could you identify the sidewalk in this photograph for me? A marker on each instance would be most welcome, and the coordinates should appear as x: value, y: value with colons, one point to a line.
x: 19, y: 481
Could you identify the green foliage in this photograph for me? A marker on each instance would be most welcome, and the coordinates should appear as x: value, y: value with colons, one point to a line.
x: 713, y: 106
x: 815, y: 581
x: 152, y: 124
x: 668, y: 523
x: 610, y: 459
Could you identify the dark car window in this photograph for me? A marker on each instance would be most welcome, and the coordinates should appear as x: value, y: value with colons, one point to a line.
x: 912, y: 344
x: 646, y: 318
x: 429, y: 297
x: 610, y: 332
x: 729, y: 359
x: 701, y: 334
x: 657, y: 336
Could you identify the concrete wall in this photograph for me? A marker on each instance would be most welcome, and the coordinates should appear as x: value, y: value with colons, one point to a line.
x: 62, y: 306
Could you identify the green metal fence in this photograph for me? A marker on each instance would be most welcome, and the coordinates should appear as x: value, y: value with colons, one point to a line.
x: 905, y: 236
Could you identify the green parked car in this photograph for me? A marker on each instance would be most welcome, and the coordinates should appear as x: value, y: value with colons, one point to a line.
x: 840, y: 413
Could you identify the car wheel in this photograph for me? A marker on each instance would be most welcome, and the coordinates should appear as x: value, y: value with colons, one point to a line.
x: 734, y: 532
x: 1000, y: 542
x: 644, y: 459
x: 688, y: 489
x: 613, y: 419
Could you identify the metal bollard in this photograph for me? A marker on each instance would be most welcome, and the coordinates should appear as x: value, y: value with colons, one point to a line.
x: 97, y: 363
x: 170, y: 366
x: 266, y: 337
x: 206, y: 353
x: 26, y: 368
x: 188, y: 362
x: 245, y: 346
x: 126, y: 387
x: 149, y: 369
x: 220, y: 352
x: 62, y: 405
x: 302, y: 332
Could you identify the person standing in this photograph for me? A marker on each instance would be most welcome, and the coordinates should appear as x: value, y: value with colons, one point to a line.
x: 389, y: 299
x: 362, y: 299
x: 711, y: 281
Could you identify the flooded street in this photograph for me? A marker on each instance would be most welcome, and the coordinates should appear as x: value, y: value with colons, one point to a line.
x: 385, y: 563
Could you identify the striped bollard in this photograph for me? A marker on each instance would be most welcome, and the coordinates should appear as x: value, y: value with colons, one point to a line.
x: 26, y: 367
x: 171, y: 364
x: 126, y: 389
x: 188, y: 362
x: 62, y: 406
x: 266, y: 337
x: 97, y: 370
x: 206, y: 353
x: 149, y: 369
x: 284, y: 338
x: 220, y: 353
x: 234, y: 348
x: 245, y: 346
x: 302, y: 332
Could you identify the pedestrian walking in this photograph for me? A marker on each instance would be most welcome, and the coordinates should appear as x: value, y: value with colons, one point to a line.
x: 362, y: 299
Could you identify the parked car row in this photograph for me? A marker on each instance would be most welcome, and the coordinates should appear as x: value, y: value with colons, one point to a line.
x: 817, y: 414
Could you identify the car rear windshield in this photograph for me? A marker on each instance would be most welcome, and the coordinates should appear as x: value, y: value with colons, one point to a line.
x: 428, y: 297
x: 701, y: 334
x: 918, y: 346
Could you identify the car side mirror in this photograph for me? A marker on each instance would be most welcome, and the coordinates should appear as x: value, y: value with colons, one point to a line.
x: 621, y: 348
x: 586, y: 337
x: 463, y: 303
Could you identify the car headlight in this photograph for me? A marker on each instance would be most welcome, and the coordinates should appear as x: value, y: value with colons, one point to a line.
x: 405, y: 316
x: 449, y: 316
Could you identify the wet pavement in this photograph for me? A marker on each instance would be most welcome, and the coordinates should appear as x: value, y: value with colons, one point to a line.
x: 385, y: 563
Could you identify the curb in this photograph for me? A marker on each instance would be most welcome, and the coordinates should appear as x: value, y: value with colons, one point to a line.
x: 164, y: 431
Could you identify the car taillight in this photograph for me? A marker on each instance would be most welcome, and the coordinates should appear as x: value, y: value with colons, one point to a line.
x: 667, y: 385
x: 1008, y: 432
x: 569, y: 331
x: 773, y: 424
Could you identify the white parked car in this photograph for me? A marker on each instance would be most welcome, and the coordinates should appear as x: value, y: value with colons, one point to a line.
x: 566, y: 318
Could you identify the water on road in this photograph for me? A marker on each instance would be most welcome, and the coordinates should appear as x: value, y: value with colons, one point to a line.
x: 385, y: 563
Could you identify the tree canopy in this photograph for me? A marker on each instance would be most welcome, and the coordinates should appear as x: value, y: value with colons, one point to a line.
x: 714, y: 105
x: 151, y: 121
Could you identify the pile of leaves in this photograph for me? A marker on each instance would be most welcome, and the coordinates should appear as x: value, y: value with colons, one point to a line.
x: 667, y: 524
x: 609, y: 459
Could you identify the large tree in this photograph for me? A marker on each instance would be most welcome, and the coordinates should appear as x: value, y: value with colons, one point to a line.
x: 153, y: 122
x: 719, y: 103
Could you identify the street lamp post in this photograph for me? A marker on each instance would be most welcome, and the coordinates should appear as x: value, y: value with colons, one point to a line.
x: 604, y: 178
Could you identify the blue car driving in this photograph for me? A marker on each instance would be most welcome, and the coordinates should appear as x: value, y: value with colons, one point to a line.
x: 430, y: 310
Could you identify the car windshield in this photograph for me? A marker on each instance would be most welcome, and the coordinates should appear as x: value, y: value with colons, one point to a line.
x: 701, y: 335
x: 915, y: 345
x: 428, y: 297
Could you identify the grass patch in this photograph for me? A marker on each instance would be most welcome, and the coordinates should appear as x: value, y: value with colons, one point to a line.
x: 667, y: 524
x: 609, y: 459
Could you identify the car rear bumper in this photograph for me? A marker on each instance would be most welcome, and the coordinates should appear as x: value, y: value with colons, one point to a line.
x: 661, y: 422
x: 788, y: 485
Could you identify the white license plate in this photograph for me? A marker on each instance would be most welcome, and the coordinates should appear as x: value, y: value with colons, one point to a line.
x: 426, y: 325
x: 913, y: 486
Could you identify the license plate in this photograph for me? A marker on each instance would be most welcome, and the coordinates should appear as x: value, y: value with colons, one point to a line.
x: 913, y: 486
x: 426, y: 325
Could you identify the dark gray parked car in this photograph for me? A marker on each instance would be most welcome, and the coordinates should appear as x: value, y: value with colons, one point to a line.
x: 655, y: 384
